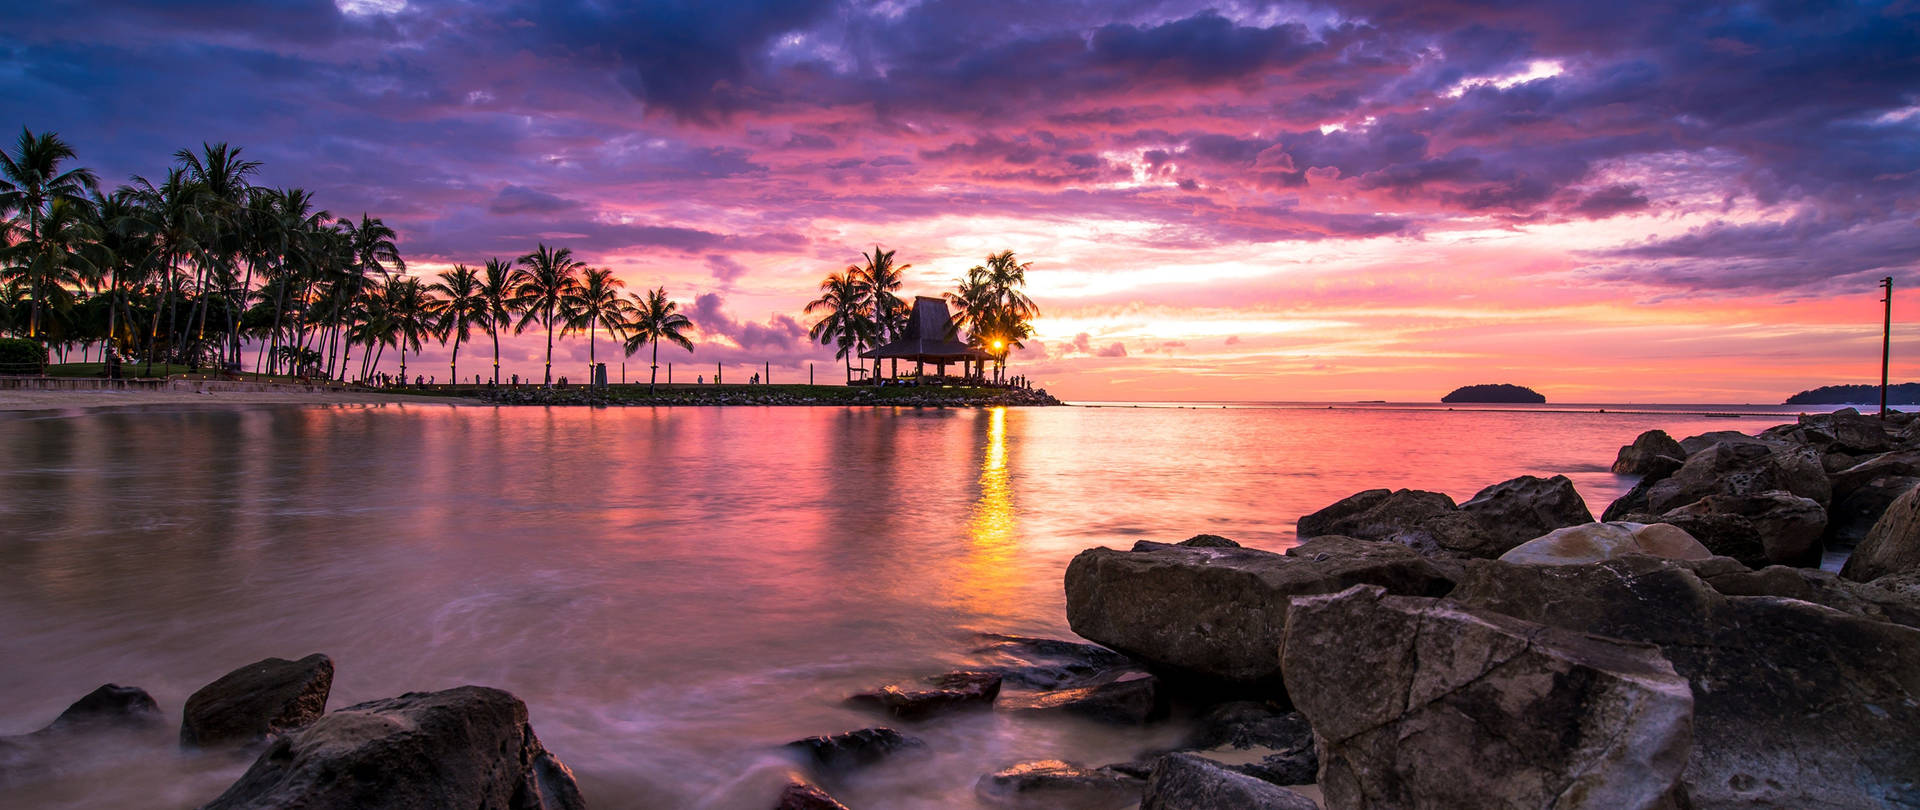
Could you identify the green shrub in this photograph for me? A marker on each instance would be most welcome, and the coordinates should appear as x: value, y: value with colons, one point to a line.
x: 21, y: 356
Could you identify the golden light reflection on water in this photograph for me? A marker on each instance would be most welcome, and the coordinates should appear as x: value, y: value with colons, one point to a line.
x: 985, y: 580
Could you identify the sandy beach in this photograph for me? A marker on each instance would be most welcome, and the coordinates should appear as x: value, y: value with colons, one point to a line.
x: 30, y: 400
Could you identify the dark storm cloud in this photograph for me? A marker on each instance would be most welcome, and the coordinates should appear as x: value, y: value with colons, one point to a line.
x: 477, y: 126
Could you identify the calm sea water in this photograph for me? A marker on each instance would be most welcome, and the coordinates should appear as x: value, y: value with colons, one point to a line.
x: 672, y: 591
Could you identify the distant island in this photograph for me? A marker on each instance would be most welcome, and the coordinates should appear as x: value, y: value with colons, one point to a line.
x: 1502, y: 392
x: 1902, y: 394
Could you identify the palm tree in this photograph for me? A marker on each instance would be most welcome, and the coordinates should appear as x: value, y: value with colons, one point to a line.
x: 881, y: 277
x: 170, y: 214
x: 596, y: 302
x: 415, y: 314
x: 654, y: 318
x: 499, y: 292
x: 461, y: 309
x: 56, y: 260
x: 550, y: 278
x: 989, y: 302
x: 224, y: 196
x: 32, y: 184
x: 370, y: 248
x: 846, y: 322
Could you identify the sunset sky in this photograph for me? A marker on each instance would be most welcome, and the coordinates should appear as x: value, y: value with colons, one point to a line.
x: 1609, y: 202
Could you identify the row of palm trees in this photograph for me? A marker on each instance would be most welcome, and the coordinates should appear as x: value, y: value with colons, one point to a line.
x: 859, y: 307
x: 189, y: 268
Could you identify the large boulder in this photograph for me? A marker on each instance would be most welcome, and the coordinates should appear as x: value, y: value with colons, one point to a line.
x: 1786, y: 527
x: 1846, y: 431
x: 1795, y: 704
x: 1652, y: 453
x: 1897, y: 464
x: 1742, y: 468
x: 1854, y: 513
x: 1283, y: 740
x: 1515, y: 511
x: 1376, y: 514
x: 1594, y: 542
x: 1218, y: 614
x: 1424, y: 703
x: 1494, y: 520
x: 1887, y: 599
x: 468, y: 747
x: 1695, y: 444
x: 260, y: 699
x: 111, y: 707
x: 1188, y: 782
x: 1893, y: 546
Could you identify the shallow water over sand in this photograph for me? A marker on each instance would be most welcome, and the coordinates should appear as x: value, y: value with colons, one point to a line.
x: 673, y: 592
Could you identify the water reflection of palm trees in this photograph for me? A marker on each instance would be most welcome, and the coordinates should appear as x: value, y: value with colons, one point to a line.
x: 986, y: 580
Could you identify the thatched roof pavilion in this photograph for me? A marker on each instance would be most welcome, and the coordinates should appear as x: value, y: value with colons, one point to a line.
x: 929, y: 338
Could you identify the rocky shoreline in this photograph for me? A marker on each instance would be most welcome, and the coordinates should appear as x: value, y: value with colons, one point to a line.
x: 1410, y: 652
x: 771, y: 396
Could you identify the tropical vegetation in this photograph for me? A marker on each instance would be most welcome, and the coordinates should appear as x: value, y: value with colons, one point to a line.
x: 859, y: 309
x: 194, y: 268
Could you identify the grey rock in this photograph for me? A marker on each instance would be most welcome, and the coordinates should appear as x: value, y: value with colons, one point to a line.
x: 256, y: 701
x: 1788, y: 527
x: 1518, y: 510
x: 1244, y: 724
x: 800, y: 794
x: 1218, y: 614
x: 952, y: 692
x: 1046, y: 664
x: 854, y: 749
x: 1695, y: 444
x: 1893, y: 546
x: 1652, y: 453
x: 1188, y: 782
x: 1742, y: 468
x: 1424, y: 703
x: 1884, y: 599
x: 1130, y: 701
x: 467, y: 747
x: 1854, y: 513
x: 1795, y: 704
x: 1052, y: 783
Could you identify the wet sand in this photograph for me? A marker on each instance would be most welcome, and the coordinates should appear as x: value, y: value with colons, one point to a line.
x: 31, y: 400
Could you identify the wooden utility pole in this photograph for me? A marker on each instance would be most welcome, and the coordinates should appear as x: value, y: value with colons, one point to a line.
x: 1886, y: 343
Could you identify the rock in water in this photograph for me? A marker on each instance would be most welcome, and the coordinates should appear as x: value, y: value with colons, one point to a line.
x: 1652, y: 453
x: 467, y: 747
x: 955, y: 691
x: 1422, y: 703
x: 853, y: 749
x: 1188, y: 782
x: 1893, y: 546
x: 1055, y: 785
x: 1604, y: 541
x: 263, y: 698
x: 1376, y: 514
x: 1795, y: 705
x: 111, y: 706
x: 803, y: 795
x: 109, y: 710
x: 1218, y: 614
x: 1131, y: 700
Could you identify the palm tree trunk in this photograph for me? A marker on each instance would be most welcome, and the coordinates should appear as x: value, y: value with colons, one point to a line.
x: 656, y: 365
x: 453, y: 363
x: 549, y: 346
x: 495, y: 332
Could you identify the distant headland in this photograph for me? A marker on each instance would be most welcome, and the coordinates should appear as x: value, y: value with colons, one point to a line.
x: 1902, y: 394
x: 1502, y: 392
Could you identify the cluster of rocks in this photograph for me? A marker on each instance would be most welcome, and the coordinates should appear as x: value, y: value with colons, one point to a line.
x: 1054, y: 678
x: 757, y: 395
x: 1509, y: 651
x: 470, y: 746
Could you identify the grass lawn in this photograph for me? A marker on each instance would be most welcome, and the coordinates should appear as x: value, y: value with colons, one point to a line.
x: 140, y: 369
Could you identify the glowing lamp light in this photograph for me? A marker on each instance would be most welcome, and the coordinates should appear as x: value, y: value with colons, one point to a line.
x: 997, y: 345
